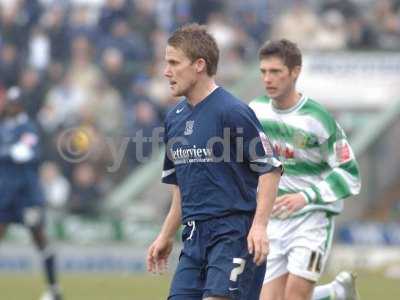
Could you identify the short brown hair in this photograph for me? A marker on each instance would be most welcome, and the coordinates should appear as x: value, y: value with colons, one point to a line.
x: 286, y: 50
x: 194, y: 40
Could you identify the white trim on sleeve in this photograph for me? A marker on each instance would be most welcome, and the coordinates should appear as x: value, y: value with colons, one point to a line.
x: 167, y: 173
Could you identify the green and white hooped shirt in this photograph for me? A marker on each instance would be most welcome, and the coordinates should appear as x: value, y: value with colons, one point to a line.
x: 317, y: 158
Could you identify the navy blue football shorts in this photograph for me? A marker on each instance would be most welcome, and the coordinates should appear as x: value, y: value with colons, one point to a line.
x: 215, y: 262
x: 21, y: 201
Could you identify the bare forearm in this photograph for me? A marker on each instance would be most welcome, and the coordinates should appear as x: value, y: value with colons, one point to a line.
x: 266, y: 195
x: 173, y: 219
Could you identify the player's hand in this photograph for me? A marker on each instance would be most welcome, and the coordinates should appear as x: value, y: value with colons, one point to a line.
x: 288, y: 204
x: 258, y: 244
x: 158, y: 253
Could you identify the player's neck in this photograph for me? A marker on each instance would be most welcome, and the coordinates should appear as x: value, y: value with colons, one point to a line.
x: 287, y: 102
x: 201, y: 90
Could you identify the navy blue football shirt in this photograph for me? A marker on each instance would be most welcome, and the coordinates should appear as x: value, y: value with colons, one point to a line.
x: 215, y: 152
x: 19, y: 178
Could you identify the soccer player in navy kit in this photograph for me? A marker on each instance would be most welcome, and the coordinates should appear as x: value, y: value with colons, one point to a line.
x: 21, y: 197
x: 224, y: 179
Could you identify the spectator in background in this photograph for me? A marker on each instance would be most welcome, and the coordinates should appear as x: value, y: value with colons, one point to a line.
x: 13, y: 30
x: 138, y: 89
x: 256, y: 27
x: 55, y: 24
x: 81, y: 23
x: 10, y: 65
x: 115, y: 70
x: 388, y: 25
x: 144, y: 119
x: 144, y: 21
x: 128, y: 41
x: 223, y: 31
x: 85, y: 193
x: 83, y: 73
x: 54, y: 73
x: 113, y: 11
x: 183, y: 12
x: 346, y: 8
x: 62, y: 106
x: 164, y: 15
x: 39, y: 49
x: 32, y: 91
x: 104, y: 103
x: 202, y: 9
x: 299, y: 24
x: 230, y: 40
x: 158, y: 89
x: 158, y: 38
x: 331, y: 34
x: 360, y: 34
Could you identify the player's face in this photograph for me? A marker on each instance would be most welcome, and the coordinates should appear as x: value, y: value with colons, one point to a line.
x: 180, y: 72
x: 278, y: 80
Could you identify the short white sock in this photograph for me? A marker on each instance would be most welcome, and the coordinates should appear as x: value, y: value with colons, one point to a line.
x: 324, y: 292
x: 340, y: 292
x: 330, y: 291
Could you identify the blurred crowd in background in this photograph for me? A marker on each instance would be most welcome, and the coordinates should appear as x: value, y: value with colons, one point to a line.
x: 97, y: 66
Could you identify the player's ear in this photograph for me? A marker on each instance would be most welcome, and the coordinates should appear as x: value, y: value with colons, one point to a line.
x: 200, y: 65
x: 295, y: 72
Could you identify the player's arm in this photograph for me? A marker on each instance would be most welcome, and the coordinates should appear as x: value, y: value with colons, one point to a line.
x: 343, y: 178
x: 160, y: 249
x: 266, y: 195
x: 173, y: 220
x: 341, y: 181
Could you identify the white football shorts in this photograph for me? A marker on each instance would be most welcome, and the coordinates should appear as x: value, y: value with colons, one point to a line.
x: 299, y: 245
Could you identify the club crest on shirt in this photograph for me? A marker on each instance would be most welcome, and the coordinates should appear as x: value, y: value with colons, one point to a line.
x: 189, y: 127
x: 299, y: 139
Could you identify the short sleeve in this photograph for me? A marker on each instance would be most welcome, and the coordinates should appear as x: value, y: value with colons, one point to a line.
x: 249, y: 138
x: 168, y: 174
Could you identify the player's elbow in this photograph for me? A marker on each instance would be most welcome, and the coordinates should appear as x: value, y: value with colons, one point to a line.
x: 356, y: 189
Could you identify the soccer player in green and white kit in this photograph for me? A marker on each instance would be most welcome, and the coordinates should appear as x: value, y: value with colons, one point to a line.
x: 320, y: 171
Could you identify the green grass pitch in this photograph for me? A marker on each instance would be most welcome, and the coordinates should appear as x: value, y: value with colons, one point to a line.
x: 149, y: 287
